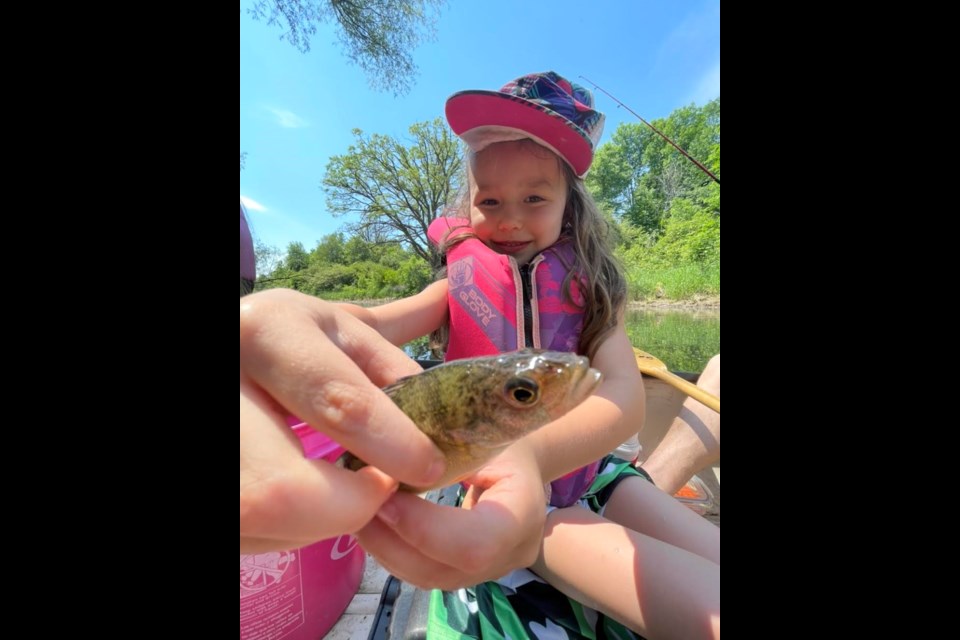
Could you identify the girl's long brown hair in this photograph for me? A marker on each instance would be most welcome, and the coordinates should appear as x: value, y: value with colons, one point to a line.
x: 603, y: 287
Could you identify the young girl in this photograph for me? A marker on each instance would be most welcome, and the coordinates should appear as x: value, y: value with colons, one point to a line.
x: 528, y: 266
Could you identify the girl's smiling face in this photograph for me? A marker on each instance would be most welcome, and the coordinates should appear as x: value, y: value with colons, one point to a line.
x: 518, y: 194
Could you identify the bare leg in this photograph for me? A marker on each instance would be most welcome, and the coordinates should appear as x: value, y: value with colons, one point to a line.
x: 657, y: 589
x: 642, y: 507
x: 693, y: 440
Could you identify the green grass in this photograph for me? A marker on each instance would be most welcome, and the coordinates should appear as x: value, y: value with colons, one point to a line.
x: 684, y: 340
x: 673, y: 283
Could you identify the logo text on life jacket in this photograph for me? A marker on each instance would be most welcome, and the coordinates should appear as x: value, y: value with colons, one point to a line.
x: 477, y: 306
x: 461, y: 274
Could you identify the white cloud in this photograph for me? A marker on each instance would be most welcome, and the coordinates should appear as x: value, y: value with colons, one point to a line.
x: 251, y: 204
x: 288, y: 119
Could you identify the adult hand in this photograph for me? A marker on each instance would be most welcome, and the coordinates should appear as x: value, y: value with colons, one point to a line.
x: 305, y: 357
x: 499, y: 527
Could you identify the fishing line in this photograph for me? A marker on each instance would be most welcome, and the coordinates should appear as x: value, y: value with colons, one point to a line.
x: 657, y: 131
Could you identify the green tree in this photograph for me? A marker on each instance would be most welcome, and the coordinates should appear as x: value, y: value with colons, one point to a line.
x: 638, y: 175
x: 415, y: 274
x: 396, y: 190
x: 328, y: 278
x: 329, y: 250
x: 297, y: 258
x: 357, y: 250
x: 378, y: 35
x: 690, y: 235
x: 268, y: 258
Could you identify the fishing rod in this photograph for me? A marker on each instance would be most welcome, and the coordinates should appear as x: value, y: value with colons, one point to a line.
x: 657, y: 131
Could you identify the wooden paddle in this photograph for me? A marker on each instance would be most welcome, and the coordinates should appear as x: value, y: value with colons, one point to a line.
x: 654, y: 367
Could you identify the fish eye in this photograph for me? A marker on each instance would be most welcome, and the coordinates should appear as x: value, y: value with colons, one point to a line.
x: 522, y: 392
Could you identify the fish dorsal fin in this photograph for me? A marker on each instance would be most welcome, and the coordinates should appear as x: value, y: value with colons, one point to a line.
x: 391, y: 389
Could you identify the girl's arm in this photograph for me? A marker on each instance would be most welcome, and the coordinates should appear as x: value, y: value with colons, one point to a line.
x: 603, y: 421
x: 408, y: 318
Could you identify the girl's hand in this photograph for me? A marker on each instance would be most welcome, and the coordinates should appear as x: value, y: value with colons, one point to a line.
x: 498, y: 529
x: 304, y: 357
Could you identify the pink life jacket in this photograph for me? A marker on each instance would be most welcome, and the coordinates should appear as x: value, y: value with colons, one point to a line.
x: 487, y: 313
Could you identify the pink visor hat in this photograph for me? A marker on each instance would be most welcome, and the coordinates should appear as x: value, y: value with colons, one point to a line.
x: 546, y: 107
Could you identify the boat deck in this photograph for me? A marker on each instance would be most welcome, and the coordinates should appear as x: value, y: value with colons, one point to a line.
x: 357, y: 620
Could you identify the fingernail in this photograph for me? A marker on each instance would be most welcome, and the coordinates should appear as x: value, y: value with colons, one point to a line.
x: 437, y: 468
x: 389, y: 514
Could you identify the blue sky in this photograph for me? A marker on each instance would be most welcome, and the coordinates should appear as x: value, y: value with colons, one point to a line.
x: 297, y: 110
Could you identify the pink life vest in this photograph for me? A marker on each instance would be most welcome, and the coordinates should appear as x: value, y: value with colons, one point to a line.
x: 486, y: 305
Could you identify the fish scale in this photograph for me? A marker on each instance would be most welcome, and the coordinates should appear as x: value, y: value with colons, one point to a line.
x: 474, y: 408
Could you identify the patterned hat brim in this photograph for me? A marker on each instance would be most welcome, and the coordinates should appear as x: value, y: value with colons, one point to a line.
x: 471, y: 110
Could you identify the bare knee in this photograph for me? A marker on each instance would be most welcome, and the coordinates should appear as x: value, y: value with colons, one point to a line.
x: 710, y: 378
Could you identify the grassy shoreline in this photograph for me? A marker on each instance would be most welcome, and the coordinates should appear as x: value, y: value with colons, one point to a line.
x: 696, y: 302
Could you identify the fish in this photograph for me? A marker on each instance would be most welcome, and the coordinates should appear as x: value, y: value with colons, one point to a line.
x: 474, y: 408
